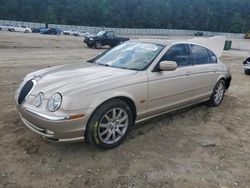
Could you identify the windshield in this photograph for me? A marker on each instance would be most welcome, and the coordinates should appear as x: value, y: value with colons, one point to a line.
x: 130, y: 55
x: 100, y: 33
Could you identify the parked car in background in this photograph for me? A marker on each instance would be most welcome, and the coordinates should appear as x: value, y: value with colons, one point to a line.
x: 246, y: 64
x: 81, y: 34
x: 247, y: 35
x: 5, y: 27
x: 37, y: 30
x: 199, y: 33
x: 104, y: 38
x: 51, y: 31
x: 76, y: 33
x: 69, y: 32
x: 20, y: 28
x: 100, y: 101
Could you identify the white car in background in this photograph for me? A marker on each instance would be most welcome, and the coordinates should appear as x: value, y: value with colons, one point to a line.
x: 19, y: 28
x: 5, y: 27
x: 76, y: 33
x: 69, y: 32
x: 81, y: 34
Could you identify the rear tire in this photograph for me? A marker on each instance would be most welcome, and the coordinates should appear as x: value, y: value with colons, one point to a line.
x: 110, y: 124
x: 26, y: 31
x: 218, y: 94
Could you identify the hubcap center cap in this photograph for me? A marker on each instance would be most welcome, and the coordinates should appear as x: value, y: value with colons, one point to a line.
x: 112, y: 125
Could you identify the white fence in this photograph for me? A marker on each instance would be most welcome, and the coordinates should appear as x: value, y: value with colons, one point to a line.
x: 127, y: 31
x: 27, y: 24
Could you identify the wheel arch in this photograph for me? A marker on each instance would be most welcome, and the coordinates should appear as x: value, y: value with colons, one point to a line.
x: 226, y: 80
x: 124, y: 98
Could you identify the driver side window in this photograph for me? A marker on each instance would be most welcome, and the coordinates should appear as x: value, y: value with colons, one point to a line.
x: 110, y: 35
x: 178, y: 53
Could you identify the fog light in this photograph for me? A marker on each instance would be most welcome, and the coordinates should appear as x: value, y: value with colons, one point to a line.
x: 49, y: 132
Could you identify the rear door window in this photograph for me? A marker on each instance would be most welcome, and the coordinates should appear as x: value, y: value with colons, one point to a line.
x: 212, y: 57
x: 199, y: 55
x: 110, y: 35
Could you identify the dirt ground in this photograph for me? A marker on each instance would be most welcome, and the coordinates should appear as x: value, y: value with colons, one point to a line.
x: 196, y: 147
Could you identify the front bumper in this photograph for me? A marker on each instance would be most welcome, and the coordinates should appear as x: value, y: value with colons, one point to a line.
x: 54, y: 128
x: 247, y: 67
x: 88, y: 41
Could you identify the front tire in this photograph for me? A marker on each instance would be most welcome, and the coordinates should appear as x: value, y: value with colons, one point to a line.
x: 110, y: 124
x: 89, y: 45
x: 247, y: 71
x: 218, y: 94
x: 98, y: 45
x: 26, y: 31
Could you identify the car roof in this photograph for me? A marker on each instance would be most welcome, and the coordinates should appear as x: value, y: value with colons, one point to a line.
x: 164, y: 42
x: 167, y: 42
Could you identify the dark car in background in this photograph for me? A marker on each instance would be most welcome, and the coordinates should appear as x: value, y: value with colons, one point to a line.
x: 104, y: 38
x: 246, y: 64
x: 199, y: 33
x: 37, y: 30
x: 51, y: 31
x: 247, y: 35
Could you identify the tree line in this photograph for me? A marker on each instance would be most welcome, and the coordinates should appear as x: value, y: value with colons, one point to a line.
x: 207, y: 15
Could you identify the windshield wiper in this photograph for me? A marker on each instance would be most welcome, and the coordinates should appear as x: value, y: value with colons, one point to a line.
x: 133, y: 69
x: 106, y: 65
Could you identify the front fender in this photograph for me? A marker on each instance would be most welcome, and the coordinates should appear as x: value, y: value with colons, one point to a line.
x: 109, y: 95
x: 92, y: 101
x: 138, y: 93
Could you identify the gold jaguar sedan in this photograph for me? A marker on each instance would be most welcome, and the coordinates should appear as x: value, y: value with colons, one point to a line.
x: 100, y: 100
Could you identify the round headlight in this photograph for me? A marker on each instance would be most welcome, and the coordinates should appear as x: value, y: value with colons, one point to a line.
x: 38, y: 99
x: 90, y: 38
x: 55, y: 102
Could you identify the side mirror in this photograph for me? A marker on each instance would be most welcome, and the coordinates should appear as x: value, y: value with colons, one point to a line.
x: 168, y: 66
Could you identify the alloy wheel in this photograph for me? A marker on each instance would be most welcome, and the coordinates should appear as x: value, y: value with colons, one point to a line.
x: 113, y: 125
x: 219, y: 93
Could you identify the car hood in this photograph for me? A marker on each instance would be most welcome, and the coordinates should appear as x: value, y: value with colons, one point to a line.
x: 91, y: 36
x: 86, y: 77
x: 94, y: 37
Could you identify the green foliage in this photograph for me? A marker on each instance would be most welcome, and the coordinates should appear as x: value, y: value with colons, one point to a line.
x: 209, y: 15
x: 50, y: 15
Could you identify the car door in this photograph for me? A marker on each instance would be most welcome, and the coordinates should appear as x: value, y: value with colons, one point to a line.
x: 22, y: 28
x: 205, y: 71
x: 171, y: 89
x: 109, y: 38
x: 18, y: 29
